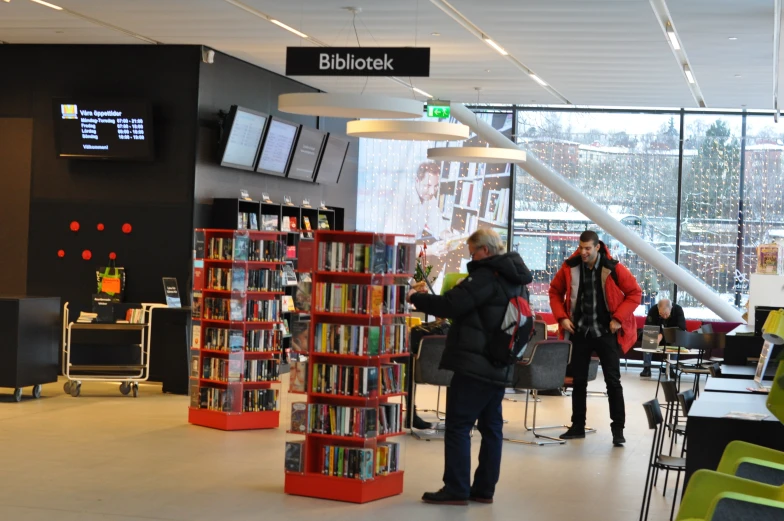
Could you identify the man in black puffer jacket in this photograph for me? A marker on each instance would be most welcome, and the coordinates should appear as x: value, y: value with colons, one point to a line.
x: 477, y: 306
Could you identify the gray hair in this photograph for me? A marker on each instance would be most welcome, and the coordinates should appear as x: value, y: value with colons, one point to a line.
x: 665, y: 303
x: 485, y: 237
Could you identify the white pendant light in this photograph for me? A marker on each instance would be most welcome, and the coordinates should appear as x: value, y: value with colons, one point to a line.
x: 476, y: 154
x: 407, y: 130
x: 349, y: 106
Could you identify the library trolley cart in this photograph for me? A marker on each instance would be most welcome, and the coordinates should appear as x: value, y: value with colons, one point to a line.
x: 28, y: 350
x: 108, y: 336
x: 340, y: 442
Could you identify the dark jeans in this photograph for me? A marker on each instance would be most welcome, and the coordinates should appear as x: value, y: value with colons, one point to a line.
x: 606, y: 347
x: 646, y: 360
x: 469, y: 400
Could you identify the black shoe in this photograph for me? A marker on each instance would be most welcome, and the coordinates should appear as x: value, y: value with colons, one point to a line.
x: 646, y: 373
x: 618, y: 439
x: 480, y: 499
x: 573, y: 433
x: 421, y: 424
x: 442, y: 497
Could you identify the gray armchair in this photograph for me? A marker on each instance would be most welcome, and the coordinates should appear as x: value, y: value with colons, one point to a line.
x: 426, y: 371
x: 545, y: 368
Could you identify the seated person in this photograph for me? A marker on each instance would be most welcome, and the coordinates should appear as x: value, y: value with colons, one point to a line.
x: 664, y: 314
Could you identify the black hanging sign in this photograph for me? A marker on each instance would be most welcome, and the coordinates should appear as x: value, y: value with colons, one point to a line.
x: 358, y: 61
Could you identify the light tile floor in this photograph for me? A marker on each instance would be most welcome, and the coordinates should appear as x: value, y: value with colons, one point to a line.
x: 104, y: 456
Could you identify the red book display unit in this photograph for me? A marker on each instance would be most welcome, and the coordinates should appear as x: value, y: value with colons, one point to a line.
x: 236, y: 337
x: 341, y: 437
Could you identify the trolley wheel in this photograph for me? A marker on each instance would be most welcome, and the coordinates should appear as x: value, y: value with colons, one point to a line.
x: 17, y: 395
x: 135, y: 389
x: 125, y: 388
x: 76, y: 388
x: 37, y: 391
x: 67, y: 387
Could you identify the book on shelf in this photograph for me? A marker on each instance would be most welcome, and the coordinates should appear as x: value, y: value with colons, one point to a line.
x: 233, y: 341
x: 285, y: 224
x: 221, y: 369
x: 287, y: 304
x: 334, y: 420
x: 135, y: 316
x: 361, y: 340
x: 323, y: 222
x: 254, y: 221
x: 259, y: 400
x: 291, y: 252
x: 289, y: 275
x: 300, y: 330
x: 196, y: 336
x: 387, y: 458
x: 497, y: 206
x: 294, y: 459
x: 393, y: 379
x: 198, y: 244
x: 307, y: 230
x: 242, y: 248
x: 344, y: 380
x: 346, y: 462
x: 299, y: 417
x: 269, y: 223
x: 222, y: 400
x: 367, y: 258
x: 198, y: 275
x: 265, y: 280
x: 195, y: 395
x: 285, y: 329
x: 247, y: 221
x: 389, y: 415
x: 298, y: 377
x: 196, y: 304
x: 261, y: 371
x: 195, y: 366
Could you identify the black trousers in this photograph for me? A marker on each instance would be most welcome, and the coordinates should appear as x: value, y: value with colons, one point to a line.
x: 469, y: 402
x: 606, y: 347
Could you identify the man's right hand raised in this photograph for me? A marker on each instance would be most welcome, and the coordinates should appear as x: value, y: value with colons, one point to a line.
x: 566, y: 325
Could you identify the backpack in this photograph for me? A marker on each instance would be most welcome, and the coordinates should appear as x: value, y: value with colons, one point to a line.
x: 508, y: 342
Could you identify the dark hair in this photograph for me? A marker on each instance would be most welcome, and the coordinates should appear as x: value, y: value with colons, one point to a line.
x: 589, y: 235
x: 427, y: 168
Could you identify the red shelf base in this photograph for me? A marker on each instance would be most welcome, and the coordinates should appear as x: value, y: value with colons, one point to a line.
x: 344, y: 489
x: 234, y: 422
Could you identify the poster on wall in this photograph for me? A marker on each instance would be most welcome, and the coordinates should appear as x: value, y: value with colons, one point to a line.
x: 440, y: 203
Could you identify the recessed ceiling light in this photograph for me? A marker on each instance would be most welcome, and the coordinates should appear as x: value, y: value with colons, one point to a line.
x: 487, y: 70
x: 733, y: 38
x: 737, y: 75
x: 435, y: 34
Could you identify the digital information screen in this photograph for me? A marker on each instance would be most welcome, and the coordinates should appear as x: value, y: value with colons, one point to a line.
x: 306, y: 154
x: 104, y: 129
x: 244, y: 139
x: 332, y: 160
x: 277, y: 147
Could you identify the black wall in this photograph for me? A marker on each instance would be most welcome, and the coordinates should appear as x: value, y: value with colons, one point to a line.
x: 155, y: 198
x: 229, y: 81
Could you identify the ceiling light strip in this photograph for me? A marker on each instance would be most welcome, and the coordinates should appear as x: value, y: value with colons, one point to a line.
x: 265, y: 16
x: 472, y: 28
x: 47, y: 4
x: 662, y: 13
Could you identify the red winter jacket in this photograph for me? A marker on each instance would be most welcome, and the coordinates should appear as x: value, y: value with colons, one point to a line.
x: 622, y: 294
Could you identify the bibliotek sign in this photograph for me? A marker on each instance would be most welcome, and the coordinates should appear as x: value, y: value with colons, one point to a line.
x: 358, y: 61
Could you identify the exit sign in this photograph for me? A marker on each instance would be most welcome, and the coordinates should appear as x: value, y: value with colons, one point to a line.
x: 438, y: 109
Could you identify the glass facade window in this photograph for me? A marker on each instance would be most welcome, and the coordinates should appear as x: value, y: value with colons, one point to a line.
x: 729, y: 176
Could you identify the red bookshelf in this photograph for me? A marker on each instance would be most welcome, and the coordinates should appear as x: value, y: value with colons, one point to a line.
x: 341, y: 442
x: 236, y: 341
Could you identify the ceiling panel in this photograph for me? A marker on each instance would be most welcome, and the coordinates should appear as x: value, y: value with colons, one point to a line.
x: 595, y: 52
x: 705, y: 27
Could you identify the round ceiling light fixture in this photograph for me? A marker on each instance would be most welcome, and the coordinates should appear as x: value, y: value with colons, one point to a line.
x: 476, y: 154
x: 407, y: 130
x: 349, y: 106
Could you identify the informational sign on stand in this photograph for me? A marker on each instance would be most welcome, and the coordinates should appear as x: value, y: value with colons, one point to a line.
x: 244, y: 195
x: 172, y: 292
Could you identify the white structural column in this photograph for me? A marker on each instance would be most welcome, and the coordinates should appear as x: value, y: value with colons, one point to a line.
x: 573, y: 196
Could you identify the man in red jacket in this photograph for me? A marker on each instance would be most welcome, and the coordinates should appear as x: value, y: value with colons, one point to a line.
x: 593, y: 298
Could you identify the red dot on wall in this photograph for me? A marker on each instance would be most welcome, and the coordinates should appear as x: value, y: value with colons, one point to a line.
x: 100, y: 227
x: 61, y: 253
x: 126, y: 228
x: 112, y: 255
x: 74, y: 226
x: 87, y: 255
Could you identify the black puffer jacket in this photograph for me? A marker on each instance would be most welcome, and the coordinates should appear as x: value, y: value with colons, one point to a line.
x: 477, y: 306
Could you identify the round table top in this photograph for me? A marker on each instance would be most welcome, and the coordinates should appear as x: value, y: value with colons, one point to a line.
x: 662, y: 351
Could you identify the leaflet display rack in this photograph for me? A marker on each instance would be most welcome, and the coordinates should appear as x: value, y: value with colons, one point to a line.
x: 235, y: 354
x: 341, y: 437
